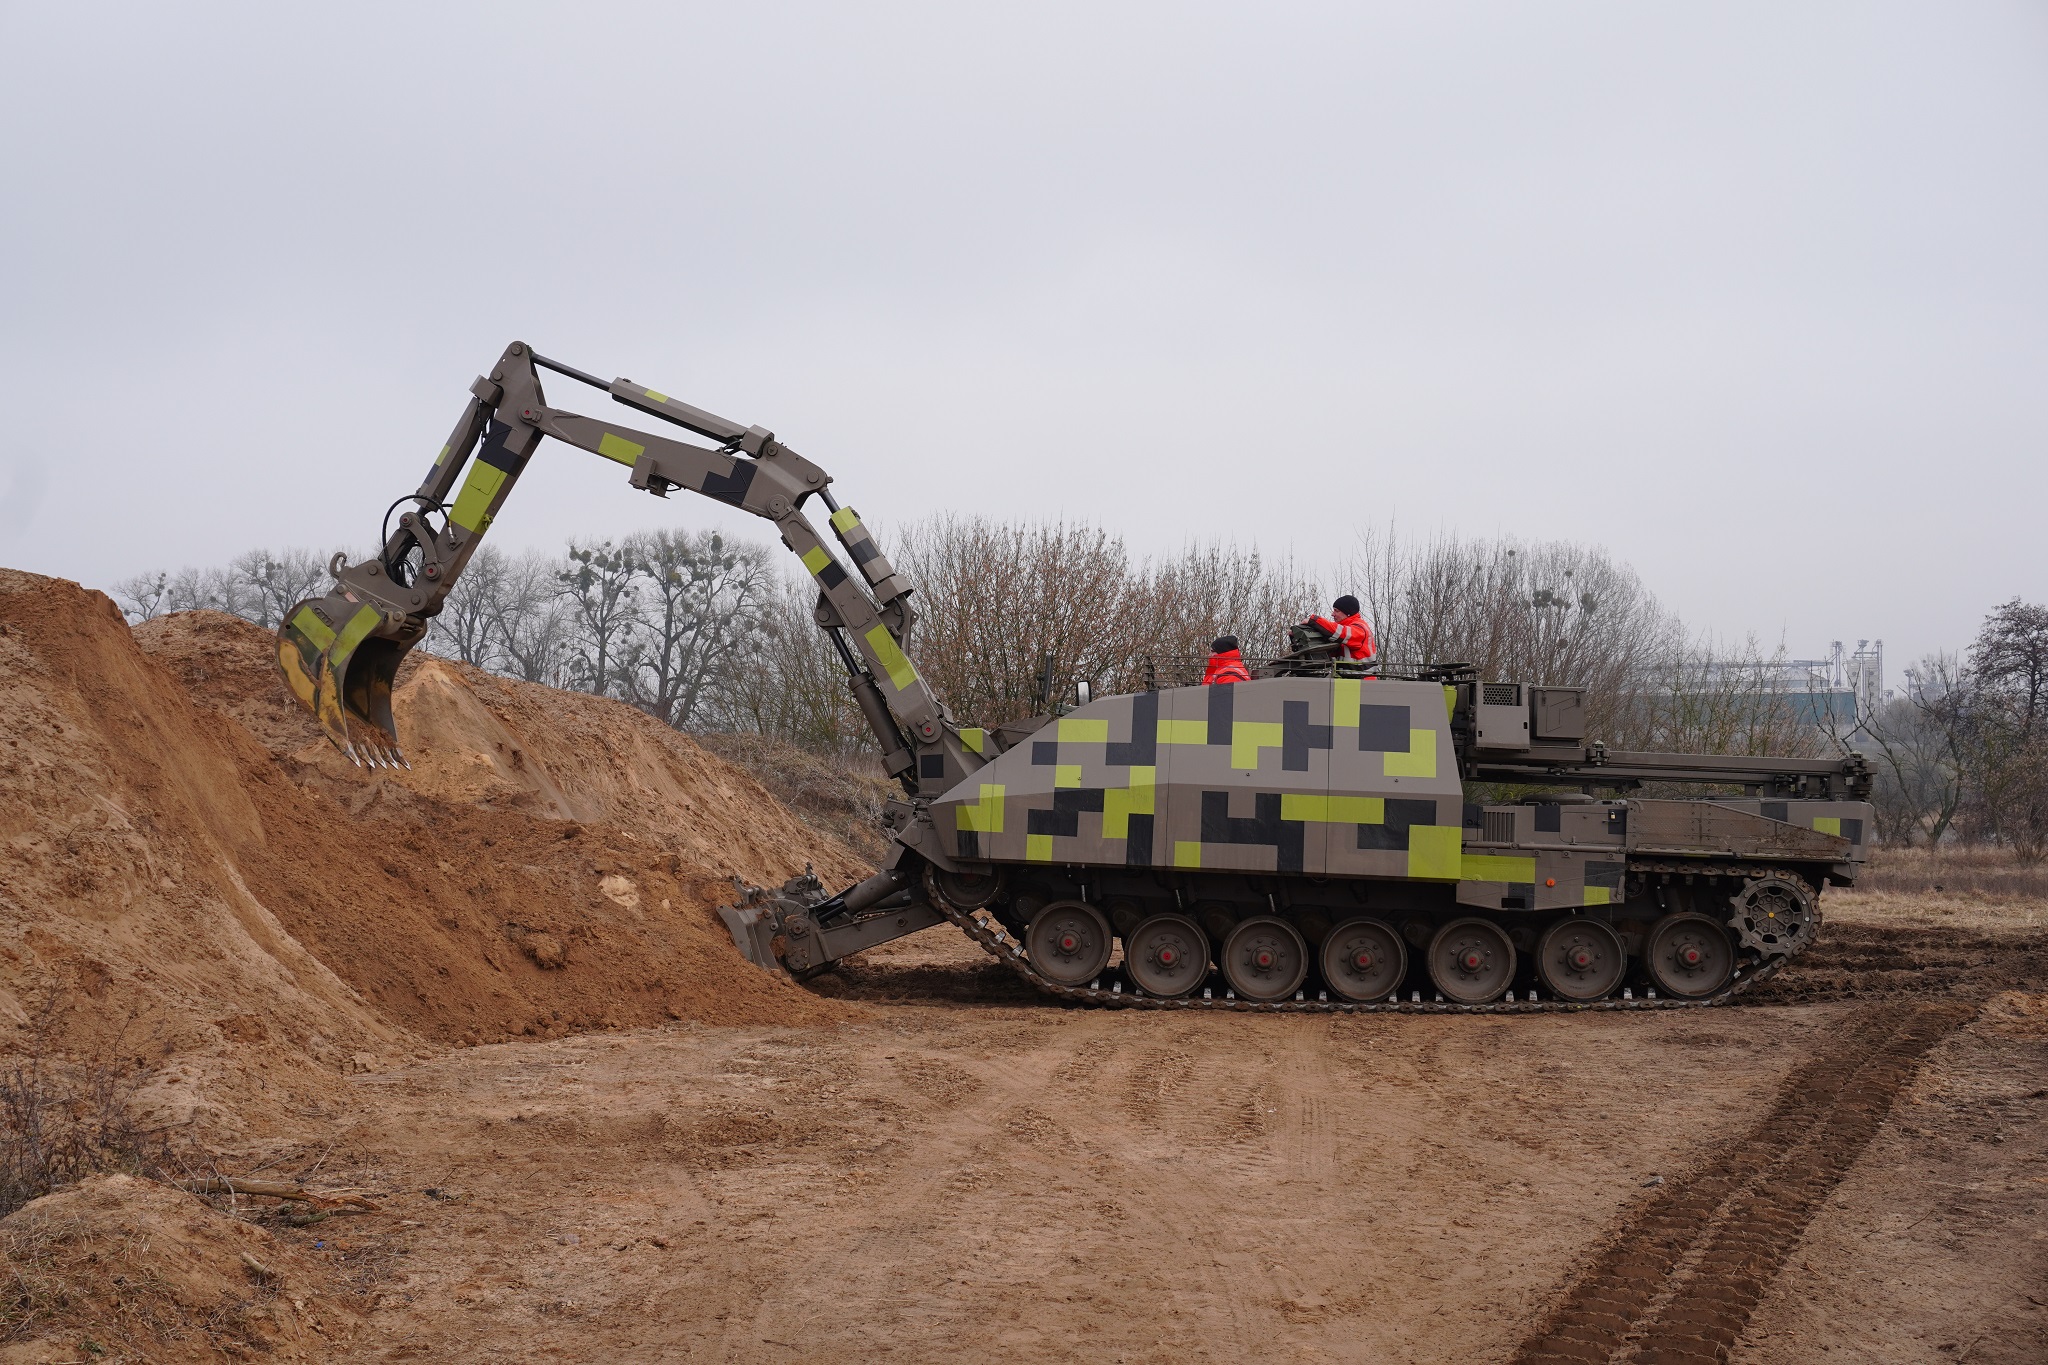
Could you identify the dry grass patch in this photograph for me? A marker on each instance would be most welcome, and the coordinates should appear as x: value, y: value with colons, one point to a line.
x: 1991, y: 873
x: 119, y: 1268
x: 1958, y: 888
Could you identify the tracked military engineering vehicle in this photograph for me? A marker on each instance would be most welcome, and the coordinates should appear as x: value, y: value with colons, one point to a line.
x: 1302, y: 841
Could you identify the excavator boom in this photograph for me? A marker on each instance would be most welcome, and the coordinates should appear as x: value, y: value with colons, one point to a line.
x: 339, y: 653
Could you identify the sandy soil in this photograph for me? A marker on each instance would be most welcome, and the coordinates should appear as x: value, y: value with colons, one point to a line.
x: 1039, y: 1185
x: 963, y: 1173
x: 491, y: 996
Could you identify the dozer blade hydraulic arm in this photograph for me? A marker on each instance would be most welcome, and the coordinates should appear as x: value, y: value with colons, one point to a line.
x: 340, y: 653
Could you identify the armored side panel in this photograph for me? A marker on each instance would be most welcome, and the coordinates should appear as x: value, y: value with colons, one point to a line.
x: 1544, y: 857
x: 1315, y: 776
x: 1717, y: 829
x: 1847, y: 820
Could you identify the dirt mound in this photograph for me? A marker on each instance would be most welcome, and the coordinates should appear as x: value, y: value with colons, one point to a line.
x: 843, y: 796
x: 126, y: 821
x: 475, y: 738
x: 119, y: 1268
x: 179, y: 847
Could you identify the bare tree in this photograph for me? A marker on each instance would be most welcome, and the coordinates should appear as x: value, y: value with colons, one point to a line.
x: 144, y: 597
x: 212, y: 589
x: 2003, y: 703
x: 269, y: 585
x: 999, y: 599
x: 1705, y: 698
x: 700, y: 615
x: 1918, y: 755
x: 795, y: 687
x: 529, y: 619
x: 599, y: 586
x: 472, y: 614
x: 1212, y: 589
x: 1542, y: 612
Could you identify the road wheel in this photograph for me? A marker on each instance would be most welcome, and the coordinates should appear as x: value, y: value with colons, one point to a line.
x: 1068, y: 943
x: 1471, y: 961
x: 966, y: 890
x: 1265, y: 959
x: 1167, y: 955
x: 1580, y: 959
x: 1689, y: 956
x: 1363, y: 960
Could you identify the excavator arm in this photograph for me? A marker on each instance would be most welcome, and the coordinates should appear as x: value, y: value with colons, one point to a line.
x: 340, y: 653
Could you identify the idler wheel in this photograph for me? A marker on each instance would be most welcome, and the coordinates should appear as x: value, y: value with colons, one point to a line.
x: 1580, y: 959
x: 1068, y: 943
x: 1689, y: 956
x: 1471, y: 961
x: 1167, y: 955
x: 1774, y: 915
x: 1265, y: 959
x: 1363, y: 960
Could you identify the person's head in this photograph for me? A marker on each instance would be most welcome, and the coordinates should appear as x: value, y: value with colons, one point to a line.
x: 1223, y: 644
x: 1347, y: 605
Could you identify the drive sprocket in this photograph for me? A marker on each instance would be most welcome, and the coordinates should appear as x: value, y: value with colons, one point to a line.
x: 1775, y: 915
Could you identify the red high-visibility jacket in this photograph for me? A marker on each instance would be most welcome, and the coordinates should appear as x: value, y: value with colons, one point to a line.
x: 1227, y: 667
x: 1353, y: 631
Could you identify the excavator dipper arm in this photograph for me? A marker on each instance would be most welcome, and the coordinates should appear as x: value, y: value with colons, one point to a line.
x: 340, y: 653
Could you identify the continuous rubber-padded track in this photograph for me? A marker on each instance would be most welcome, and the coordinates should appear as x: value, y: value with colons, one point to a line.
x: 1680, y: 1278
x: 997, y: 942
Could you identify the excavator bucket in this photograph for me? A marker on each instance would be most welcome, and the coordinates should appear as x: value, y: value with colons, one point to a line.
x: 343, y: 676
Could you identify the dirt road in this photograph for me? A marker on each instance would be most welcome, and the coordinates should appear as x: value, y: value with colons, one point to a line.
x: 950, y: 1180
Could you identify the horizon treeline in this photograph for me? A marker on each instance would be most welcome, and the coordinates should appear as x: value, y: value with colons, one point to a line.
x: 710, y: 633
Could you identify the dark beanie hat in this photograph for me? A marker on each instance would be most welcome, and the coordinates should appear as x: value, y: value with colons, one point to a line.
x: 1346, y: 604
x: 1224, y: 644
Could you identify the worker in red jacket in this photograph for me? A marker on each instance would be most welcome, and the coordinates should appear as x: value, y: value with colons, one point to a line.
x: 1226, y: 664
x: 1348, y: 629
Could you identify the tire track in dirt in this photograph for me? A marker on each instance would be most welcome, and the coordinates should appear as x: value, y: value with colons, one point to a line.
x: 1680, y: 1278
x: 1307, y: 1137
x: 922, y: 1199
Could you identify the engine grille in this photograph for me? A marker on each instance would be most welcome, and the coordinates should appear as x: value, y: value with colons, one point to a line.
x: 1500, y: 827
x: 1501, y: 694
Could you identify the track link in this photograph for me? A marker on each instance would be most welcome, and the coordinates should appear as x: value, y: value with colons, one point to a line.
x: 998, y: 944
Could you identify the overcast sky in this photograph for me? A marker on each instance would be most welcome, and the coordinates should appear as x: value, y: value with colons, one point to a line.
x: 1756, y: 297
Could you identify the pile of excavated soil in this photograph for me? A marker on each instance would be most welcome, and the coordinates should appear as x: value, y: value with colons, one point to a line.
x: 126, y: 1269
x: 182, y: 852
x: 473, y: 738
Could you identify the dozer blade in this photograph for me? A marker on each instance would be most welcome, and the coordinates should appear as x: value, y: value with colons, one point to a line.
x: 343, y: 676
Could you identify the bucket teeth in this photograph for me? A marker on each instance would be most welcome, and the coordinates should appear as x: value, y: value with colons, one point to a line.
x: 342, y: 673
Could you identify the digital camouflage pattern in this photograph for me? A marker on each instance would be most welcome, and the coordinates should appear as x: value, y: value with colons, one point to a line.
x: 1332, y: 777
